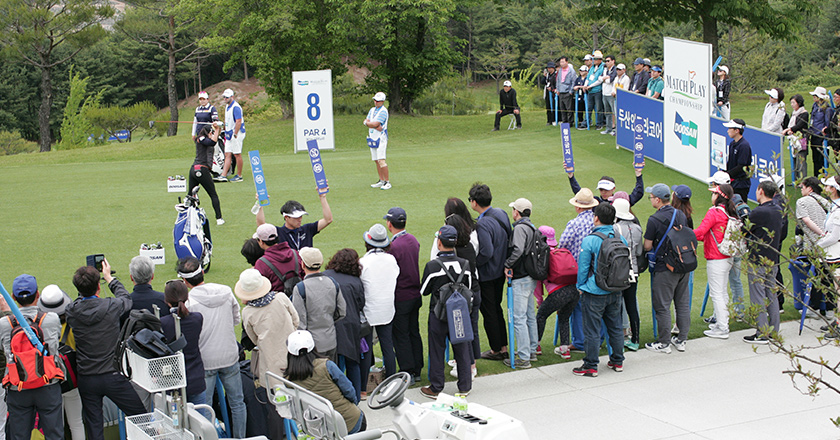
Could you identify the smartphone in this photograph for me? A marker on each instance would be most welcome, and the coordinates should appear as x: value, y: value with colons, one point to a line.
x: 95, y: 260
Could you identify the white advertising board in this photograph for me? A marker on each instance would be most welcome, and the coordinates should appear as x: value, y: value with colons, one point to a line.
x: 313, y: 106
x: 688, y: 84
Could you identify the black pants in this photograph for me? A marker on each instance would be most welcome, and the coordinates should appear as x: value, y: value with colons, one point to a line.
x: 581, y: 112
x: 816, y: 143
x: 206, y: 182
x: 24, y: 405
x: 567, y: 107
x: 386, y: 344
x: 549, y: 106
x: 365, y: 362
x: 408, y: 345
x: 491, y: 310
x: 743, y: 192
x: 506, y: 112
x: 438, y: 331
x: 632, y: 311
x: 92, y: 388
x: 563, y: 301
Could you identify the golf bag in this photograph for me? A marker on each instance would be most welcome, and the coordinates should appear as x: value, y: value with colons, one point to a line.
x: 192, y: 231
x: 218, y: 156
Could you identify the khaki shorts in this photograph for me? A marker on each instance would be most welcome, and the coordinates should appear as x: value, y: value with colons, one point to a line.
x: 379, y: 153
x: 234, y: 144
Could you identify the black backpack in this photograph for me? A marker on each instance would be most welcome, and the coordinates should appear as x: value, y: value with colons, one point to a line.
x: 137, y: 320
x: 537, y: 255
x: 681, y: 254
x: 614, y: 272
x: 290, y: 282
x: 454, y: 285
x: 785, y: 121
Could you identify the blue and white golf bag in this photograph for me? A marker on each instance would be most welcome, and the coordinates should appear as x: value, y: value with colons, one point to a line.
x: 192, y: 231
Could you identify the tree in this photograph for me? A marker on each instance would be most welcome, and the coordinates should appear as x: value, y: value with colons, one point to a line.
x: 76, y: 127
x: 501, y: 61
x: 410, y: 42
x: 159, y: 23
x: 31, y: 30
x: 114, y: 119
x: 778, y: 19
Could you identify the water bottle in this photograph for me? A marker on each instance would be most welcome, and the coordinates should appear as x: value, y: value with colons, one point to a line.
x: 461, y: 403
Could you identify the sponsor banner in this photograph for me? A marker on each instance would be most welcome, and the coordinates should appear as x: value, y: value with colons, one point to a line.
x: 566, y: 137
x: 317, y: 166
x: 259, y: 177
x: 313, y: 106
x: 766, y: 152
x: 687, y: 106
x: 633, y: 109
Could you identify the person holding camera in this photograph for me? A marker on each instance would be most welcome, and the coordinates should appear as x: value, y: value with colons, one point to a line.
x: 96, y: 327
x: 205, y: 144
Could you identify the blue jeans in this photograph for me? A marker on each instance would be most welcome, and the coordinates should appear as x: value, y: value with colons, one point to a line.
x: 232, y: 384
x: 607, y: 308
x: 577, y: 326
x: 200, y: 399
x: 524, y: 317
x: 736, y: 286
x: 596, y: 107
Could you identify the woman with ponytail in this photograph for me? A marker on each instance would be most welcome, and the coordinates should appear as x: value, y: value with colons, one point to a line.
x: 176, y: 294
x: 711, y: 232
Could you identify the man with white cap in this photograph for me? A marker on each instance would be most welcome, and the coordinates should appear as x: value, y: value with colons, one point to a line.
x: 45, y: 400
x: 205, y: 113
x: 593, y: 89
x: 774, y: 111
x: 606, y: 186
x: 821, y: 113
x: 234, y: 136
x: 293, y: 231
x: 279, y: 263
x: 572, y: 237
x: 608, y: 93
x: 377, y: 139
x: 622, y: 81
x: 739, y: 158
x: 507, y: 105
x: 217, y: 341
x: 524, y: 317
x: 319, y: 303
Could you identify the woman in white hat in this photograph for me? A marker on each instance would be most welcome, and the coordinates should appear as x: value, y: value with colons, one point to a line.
x: 830, y: 242
x: 718, y: 264
x: 821, y: 113
x: 722, y: 86
x: 774, y: 111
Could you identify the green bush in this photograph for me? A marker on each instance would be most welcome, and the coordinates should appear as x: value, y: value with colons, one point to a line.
x: 113, y: 119
x: 450, y: 96
x: 12, y: 143
x: 812, y: 76
x: 76, y: 127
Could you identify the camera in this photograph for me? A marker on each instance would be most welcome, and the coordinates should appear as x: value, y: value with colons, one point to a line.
x: 95, y: 260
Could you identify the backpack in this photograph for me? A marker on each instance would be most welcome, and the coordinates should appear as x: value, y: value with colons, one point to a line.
x: 562, y: 267
x: 536, y: 256
x: 30, y: 368
x: 613, y: 272
x: 785, y: 121
x: 290, y: 282
x: 454, y: 285
x: 150, y: 344
x: 137, y: 320
x: 731, y: 246
x: 681, y: 253
x: 302, y: 292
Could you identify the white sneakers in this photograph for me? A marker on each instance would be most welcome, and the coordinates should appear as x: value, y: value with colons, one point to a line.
x: 679, y: 345
x: 717, y: 333
x: 387, y: 185
x: 220, y: 221
x: 378, y: 184
x: 658, y: 347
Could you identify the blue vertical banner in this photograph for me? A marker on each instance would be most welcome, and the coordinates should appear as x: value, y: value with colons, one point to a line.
x: 259, y: 177
x: 317, y: 166
x: 566, y: 137
x: 639, y: 143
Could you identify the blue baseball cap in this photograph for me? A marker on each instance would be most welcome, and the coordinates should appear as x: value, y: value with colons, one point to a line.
x: 24, y: 286
x: 660, y: 191
x: 395, y: 214
x: 639, y: 61
x: 682, y: 191
x: 447, y: 235
x: 656, y: 69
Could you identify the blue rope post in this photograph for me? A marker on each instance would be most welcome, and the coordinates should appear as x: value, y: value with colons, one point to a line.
x: 220, y: 391
x: 577, y: 105
x: 557, y: 329
x: 705, y: 300
x: 511, y: 337
x: 556, y: 110
x: 586, y: 106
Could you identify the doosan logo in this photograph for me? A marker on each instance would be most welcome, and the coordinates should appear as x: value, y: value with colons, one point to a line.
x: 685, y: 130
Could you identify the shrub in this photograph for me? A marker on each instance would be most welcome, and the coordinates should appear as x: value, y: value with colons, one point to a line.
x: 76, y: 127
x: 450, y: 96
x: 114, y: 119
x: 12, y: 143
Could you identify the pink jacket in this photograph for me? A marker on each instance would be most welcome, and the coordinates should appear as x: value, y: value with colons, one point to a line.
x: 713, y: 223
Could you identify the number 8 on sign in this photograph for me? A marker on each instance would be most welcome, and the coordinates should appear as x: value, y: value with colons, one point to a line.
x: 313, y: 112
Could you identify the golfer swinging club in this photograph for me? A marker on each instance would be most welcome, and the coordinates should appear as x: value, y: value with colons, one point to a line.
x: 205, y: 144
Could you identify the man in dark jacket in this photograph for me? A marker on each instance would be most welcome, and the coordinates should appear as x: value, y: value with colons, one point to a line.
x: 549, y: 81
x: 524, y: 318
x: 96, y: 327
x: 279, y: 262
x: 739, y: 158
x: 434, y: 278
x: 141, y: 269
x: 493, y: 230
x: 763, y: 238
x: 408, y: 345
x: 507, y: 105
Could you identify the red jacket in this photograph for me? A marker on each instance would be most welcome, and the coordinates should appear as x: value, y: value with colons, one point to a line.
x: 713, y: 223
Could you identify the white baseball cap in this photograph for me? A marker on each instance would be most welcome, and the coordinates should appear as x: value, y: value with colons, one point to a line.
x: 773, y: 93
x: 724, y: 68
x: 621, y: 66
x: 587, y: 57
x: 379, y: 96
x: 299, y: 340
x: 831, y: 181
x: 507, y: 84
x: 228, y: 93
x: 584, y: 68
x: 720, y: 177
x: 606, y: 185
x: 203, y: 94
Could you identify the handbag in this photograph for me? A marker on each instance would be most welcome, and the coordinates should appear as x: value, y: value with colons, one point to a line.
x: 68, y: 357
x: 373, y: 143
x: 651, y: 256
x: 730, y: 245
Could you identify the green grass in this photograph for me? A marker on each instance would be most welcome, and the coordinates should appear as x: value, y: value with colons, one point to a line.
x: 61, y: 206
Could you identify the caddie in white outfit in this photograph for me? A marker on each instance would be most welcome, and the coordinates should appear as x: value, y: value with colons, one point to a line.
x: 377, y: 139
x: 234, y: 136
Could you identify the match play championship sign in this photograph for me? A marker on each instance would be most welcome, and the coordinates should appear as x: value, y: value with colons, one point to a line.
x: 313, y: 104
x: 688, y: 83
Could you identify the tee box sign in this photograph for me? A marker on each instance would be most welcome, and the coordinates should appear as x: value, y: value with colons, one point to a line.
x: 313, y: 104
